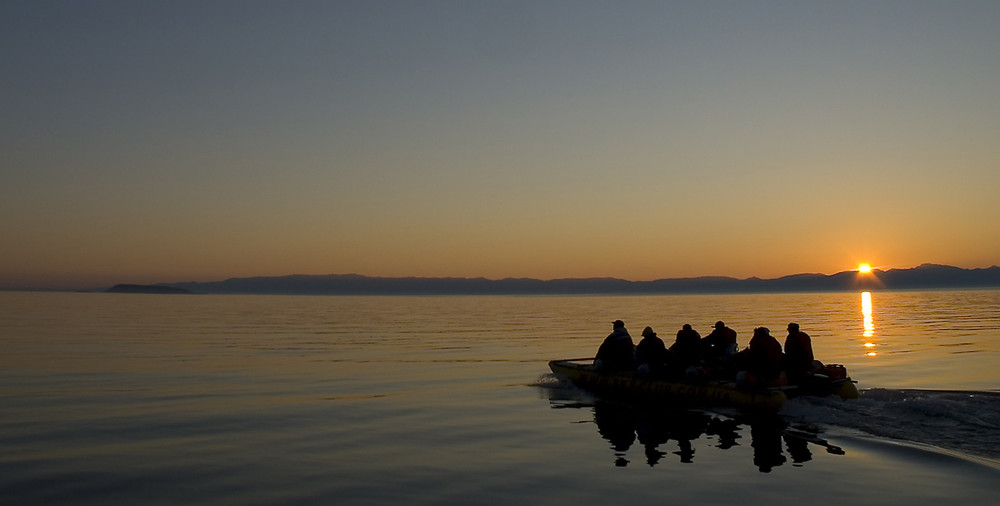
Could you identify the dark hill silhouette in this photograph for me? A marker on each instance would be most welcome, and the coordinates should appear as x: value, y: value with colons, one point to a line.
x: 146, y: 289
x: 924, y: 277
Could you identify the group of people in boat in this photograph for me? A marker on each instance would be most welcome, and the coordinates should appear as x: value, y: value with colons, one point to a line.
x: 716, y: 356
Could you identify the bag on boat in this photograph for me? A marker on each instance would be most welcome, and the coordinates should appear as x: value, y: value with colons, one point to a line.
x: 834, y: 371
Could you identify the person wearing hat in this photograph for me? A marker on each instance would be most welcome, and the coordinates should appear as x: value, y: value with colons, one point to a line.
x: 617, y: 352
x: 650, y: 354
x: 720, y: 344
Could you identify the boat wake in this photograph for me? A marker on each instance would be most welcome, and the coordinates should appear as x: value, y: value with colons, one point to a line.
x: 967, y: 422
x: 960, y: 423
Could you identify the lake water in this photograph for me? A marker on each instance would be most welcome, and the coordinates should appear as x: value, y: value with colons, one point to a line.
x: 152, y: 399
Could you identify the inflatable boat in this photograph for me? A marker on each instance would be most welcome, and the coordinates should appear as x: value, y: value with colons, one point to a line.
x: 705, y: 393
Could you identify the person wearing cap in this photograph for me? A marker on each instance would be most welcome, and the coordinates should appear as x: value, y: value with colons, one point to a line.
x: 799, y: 360
x: 617, y: 352
x: 720, y: 344
x: 650, y: 354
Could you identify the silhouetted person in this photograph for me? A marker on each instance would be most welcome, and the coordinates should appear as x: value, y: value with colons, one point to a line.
x: 761, y: 361
x: 720, y: 344
x: 799, y: 361
x: 617, y: 353
x: 650, y: 354
x: 685, y: 353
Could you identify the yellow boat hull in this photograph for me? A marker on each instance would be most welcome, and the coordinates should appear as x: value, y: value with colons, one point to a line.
x: 706, y: 394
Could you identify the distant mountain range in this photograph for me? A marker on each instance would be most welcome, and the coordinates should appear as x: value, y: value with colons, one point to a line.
x: 924, y: 277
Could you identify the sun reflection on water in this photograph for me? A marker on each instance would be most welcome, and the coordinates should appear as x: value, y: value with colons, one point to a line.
x: 868, y: 324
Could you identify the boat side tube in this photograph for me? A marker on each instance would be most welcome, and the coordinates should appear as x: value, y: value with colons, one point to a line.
x: 710, y: 393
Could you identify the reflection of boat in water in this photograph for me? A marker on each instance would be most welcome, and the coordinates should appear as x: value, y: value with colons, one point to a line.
x: 772, y: 440
x: 706, y: 393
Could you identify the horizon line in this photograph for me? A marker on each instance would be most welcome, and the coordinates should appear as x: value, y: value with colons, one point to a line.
x: 701, y: 276
x: 874, y: 269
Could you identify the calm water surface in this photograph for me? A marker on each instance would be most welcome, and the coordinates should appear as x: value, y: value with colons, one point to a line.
x: 115, y: 398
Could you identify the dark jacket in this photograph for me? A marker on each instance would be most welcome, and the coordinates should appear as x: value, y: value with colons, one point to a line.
x: 617, y: 352
x: 651, y: 351
x: 686, y: 350
x: 715, y: 344
x: 798, y: 352
x: 764, y: 356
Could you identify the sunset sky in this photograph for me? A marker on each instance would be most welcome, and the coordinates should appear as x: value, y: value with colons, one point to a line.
x: 169, y: 141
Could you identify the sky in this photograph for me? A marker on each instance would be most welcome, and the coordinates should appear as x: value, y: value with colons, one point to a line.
x: 160, y: 141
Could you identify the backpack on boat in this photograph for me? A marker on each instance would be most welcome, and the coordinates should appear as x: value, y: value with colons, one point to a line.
x: 834, y: 371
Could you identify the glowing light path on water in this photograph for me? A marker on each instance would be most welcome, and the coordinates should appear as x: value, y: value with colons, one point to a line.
x: 868, y: 323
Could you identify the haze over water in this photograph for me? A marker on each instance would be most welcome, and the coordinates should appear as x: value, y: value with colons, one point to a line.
x: 114, y: 398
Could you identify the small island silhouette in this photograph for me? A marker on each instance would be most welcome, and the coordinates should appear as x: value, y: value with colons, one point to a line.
x: 165, y: 289
x: 923, y: 277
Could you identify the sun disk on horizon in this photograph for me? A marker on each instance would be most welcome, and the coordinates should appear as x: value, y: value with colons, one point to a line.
x: 864, y: 268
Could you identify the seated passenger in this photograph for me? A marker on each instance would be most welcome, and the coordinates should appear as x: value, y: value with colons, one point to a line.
x: 799, y: 361
x: 720, y: 344
x: 617, y: 353
x: 650, y: 354
x: 685, y: 353
x: 760, y: 363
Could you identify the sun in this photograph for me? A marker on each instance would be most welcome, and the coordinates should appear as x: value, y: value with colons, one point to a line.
x: 864, y: 268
